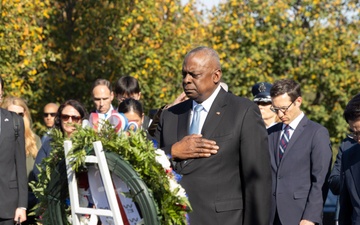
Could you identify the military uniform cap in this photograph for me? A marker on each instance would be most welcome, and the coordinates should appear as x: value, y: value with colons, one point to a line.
x: 261, y: 92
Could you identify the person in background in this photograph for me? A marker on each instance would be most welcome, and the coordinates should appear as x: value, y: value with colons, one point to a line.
x: 13, y: 180
x: 350, y: 168
x: 133, y: 111
x: 155, y: 121
x: 70, y: 113
x: 32, y: 144
x: 103, y: 95
x: 129, y: 87
x: 32, y: 141
x: 210, y: 138
x: 49, y: 114
x: 334, y: 178
x: 261, y: 93
x: 300, y: 151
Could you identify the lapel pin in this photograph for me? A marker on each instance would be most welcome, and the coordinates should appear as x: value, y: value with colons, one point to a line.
x: 6, y: 119
x: 217, y: 113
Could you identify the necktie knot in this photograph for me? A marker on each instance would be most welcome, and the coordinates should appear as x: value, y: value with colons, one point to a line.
x: 198, y: 108
x: 286, y: 128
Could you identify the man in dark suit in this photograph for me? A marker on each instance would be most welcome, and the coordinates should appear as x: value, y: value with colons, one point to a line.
x: 301, y: 155
x: 13, y: 176
x: 350, y: 168
x: 334, y: 178
x: 225, y: 164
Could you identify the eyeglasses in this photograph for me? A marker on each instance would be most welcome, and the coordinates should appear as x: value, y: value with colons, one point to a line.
x: 49, y: 114
x: 282, y: 109
x: 74, y: 119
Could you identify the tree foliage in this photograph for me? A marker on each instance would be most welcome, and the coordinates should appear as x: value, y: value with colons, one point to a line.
x: 51, y: 51
x: 24, y: 55
x: 110, y: 39
x: 313, y: 42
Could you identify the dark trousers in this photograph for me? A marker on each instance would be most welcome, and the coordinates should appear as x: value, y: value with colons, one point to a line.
x: 277, y: 219
x: 7, y: 221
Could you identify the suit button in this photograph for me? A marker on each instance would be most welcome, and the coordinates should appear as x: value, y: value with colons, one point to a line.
x: 279, y: 177
x: 274, y: 194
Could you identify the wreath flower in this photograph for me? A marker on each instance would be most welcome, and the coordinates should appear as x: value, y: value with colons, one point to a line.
x: 150, y: 164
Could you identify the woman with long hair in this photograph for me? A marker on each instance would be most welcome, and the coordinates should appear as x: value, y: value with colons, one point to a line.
x: 32, y: 141
x: 70, y: 113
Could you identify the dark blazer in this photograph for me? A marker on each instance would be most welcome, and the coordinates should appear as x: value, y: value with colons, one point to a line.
x: 334, y: 179
x: 13, y: 176
x: 233, y: 186
x: 299, y: 177
x: 350, y: 187
x: 43, y: 152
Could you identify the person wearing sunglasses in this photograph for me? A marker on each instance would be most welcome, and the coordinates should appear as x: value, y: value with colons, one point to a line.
x: 261, y: 93
x: 49, y: 114
x: 69, y: 114
x: 32, y: 143
x: 300, y: 151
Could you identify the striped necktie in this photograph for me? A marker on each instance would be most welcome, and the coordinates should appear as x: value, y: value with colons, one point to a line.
x: 284, y: 141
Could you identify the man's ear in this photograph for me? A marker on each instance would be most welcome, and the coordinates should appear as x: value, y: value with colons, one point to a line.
x: 299, y: 100
x: 217, y: 76
x: 111, y: 95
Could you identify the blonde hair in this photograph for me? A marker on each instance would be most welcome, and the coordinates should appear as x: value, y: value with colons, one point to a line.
x: 30, y: 137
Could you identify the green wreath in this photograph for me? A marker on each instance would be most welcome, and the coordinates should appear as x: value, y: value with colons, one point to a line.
x: 129, y: 156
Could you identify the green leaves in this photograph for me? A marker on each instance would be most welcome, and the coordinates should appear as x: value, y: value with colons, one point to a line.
x: 312, y: 42
x: 134, y: 148
x: 51, y: 51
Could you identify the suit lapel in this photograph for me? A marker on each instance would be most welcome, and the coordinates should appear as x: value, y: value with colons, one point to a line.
x: 214, y: 115
x: 211, y: 122
x: 275, y: 141
x: 184, y: 121
x: 355, y: 167
x: 2, y: 124
x: 297, y: 133
x: 183, y: 128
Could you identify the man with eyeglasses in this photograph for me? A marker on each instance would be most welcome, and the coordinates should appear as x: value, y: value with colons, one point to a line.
x: 301, y: 155
x: 350, y: 168
x: 49, y: 114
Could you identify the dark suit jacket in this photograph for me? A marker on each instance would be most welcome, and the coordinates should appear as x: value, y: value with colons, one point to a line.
x: 350, y: 187
x: 299, y: 177
x: 13, y: 176
x: 43, y: 152
x: 233, y: 186
x: 334, y: 179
